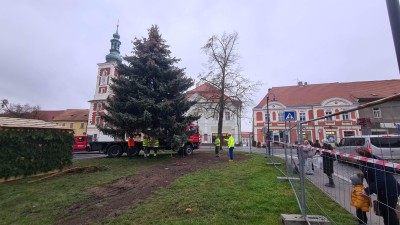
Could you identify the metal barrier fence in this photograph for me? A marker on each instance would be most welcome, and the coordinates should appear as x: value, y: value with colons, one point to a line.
x: 354, y: 162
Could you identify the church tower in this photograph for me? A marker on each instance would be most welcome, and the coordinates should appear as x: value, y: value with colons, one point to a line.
x: 106, y: 71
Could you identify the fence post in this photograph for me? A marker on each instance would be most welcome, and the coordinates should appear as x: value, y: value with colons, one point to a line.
x: 302, y: 163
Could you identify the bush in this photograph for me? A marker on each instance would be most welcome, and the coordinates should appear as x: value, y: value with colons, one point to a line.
x: 254, y: 143
x: 27, y: 152
x: 258, y: 144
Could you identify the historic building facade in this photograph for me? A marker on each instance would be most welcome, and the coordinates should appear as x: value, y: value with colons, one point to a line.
x: 207, y: 95
x: 311, y: 101
x: 106, y: 71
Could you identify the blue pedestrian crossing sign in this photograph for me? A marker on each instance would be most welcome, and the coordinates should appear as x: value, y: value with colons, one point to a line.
x: 290, y: 116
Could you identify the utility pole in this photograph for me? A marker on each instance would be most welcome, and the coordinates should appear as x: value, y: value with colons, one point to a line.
x: 393, y: 8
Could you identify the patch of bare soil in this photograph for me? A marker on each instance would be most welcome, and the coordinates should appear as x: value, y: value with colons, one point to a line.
x: 111, y: 199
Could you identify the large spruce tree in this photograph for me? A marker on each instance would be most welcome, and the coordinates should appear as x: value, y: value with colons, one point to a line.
x: 149, y: 93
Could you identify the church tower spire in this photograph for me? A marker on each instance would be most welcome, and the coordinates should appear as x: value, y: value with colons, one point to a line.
x: 114, y: 56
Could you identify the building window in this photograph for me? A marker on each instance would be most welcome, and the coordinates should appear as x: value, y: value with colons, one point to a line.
x: 327, y: 113
x: 82, y: 125
x: 215, y: 116
x: 348, y: 133
x: 99, y: 106
x: 63, y: 124
x: 227, y: 115
x: 281, y: 116
x: 205, y: 137
x: 302, y: 116
x: 103, y: 80
x: 71, y: 125
x: 97, y: 120
x: 345, y: 116
x: 267, y: 116
x: 376, y: 112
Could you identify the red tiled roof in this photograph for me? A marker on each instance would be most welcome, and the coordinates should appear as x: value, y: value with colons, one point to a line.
x: 315, y: 94
x: 208, y: 91
x: 48, y: 116
x: 73, y: 115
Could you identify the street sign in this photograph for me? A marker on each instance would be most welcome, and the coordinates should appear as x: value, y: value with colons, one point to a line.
x: 290, y: 116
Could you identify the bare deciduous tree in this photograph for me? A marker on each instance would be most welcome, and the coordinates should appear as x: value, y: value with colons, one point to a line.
x: 233, y: 91
x: 17, y: 110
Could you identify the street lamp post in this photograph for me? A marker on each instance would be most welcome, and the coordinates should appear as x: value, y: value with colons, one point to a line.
x: 268, y: 154
x: 268, y: 149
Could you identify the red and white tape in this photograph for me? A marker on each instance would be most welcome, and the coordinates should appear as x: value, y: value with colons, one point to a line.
x: 351, y: 156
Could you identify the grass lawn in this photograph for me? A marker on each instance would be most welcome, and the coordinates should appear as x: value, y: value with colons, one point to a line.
x: 241, y: 192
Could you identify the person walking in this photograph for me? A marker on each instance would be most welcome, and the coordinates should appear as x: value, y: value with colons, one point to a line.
x: 327, y: 163
x: 359, y: 200
x: 131, y: 145
x: 383, y: 184
x: 231, y: 145
x: 217, y: 142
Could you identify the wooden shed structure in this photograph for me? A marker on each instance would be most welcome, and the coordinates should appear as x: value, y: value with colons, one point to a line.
x: 8, y: 123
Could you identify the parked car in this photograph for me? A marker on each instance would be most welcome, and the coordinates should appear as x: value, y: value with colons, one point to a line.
x: 384, y: 146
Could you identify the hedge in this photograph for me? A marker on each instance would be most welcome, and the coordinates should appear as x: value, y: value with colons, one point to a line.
x: 27, y: 152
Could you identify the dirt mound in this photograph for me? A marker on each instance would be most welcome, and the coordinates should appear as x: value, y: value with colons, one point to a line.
x: 111, y: 199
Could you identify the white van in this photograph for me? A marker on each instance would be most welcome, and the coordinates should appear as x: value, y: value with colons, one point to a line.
x: 384, y: 146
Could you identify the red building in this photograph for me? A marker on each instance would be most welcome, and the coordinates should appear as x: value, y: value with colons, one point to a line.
x: 310, y: 101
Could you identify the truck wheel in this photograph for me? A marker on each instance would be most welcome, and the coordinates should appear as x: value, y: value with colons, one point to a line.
x: 188, y: 150
x: 115, y: 151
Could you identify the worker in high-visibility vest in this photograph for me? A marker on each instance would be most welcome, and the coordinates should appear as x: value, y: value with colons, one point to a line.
x: 155, y: 145
x: 231, y: 145
x: 145, y: 145
x: 217, y: 143
x: 131, y: 145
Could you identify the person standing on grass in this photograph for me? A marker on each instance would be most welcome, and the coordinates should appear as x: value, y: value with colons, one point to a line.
x: 131, y: 145
x: 327, y: 163
x: 359, y: 200
x: 217, y: 146
x: 145, y: 146
x: 231, y: 145
x: 383, y: 184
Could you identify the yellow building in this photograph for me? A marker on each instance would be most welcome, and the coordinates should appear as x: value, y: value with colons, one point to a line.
x: 75, y: 119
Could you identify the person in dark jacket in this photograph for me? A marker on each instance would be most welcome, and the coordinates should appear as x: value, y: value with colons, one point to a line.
x: 383, y: 184
x: 327, y: 162
x: 317, y: 145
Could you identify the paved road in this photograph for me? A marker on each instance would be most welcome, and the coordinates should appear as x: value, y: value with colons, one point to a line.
x: 87, y: 155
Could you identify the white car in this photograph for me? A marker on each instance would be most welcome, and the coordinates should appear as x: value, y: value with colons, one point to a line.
x: 383, y: 146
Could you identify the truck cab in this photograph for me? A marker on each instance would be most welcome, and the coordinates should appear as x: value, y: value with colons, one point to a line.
x: 80, y: 143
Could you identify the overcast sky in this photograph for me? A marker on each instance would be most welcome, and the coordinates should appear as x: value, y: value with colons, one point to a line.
x: 49, y: 49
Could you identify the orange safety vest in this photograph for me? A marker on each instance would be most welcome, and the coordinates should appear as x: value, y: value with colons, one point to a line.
x: 131, y: 142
